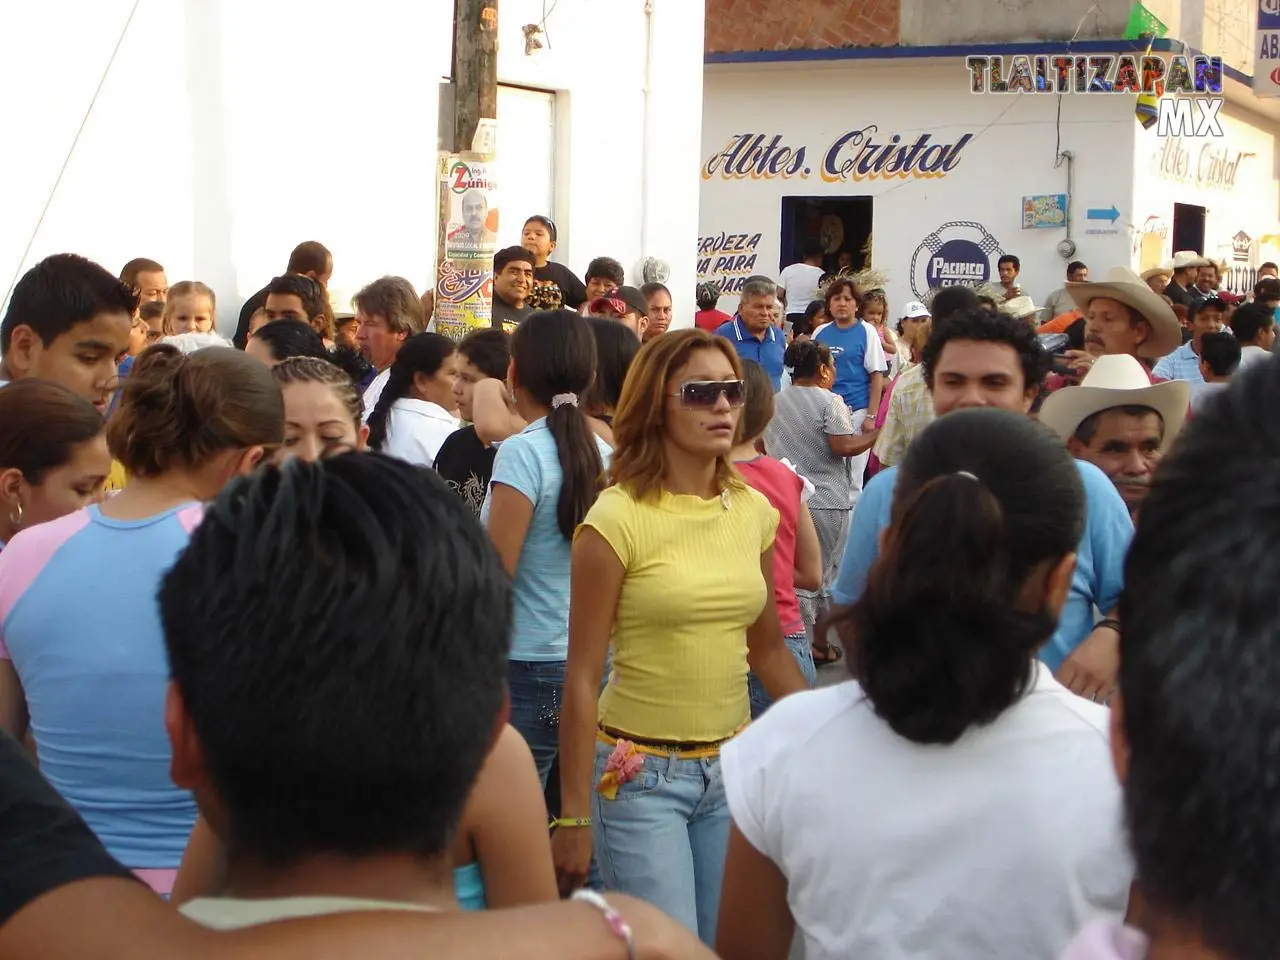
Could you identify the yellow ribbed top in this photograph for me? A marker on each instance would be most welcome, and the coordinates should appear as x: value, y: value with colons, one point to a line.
x: 691, y: 589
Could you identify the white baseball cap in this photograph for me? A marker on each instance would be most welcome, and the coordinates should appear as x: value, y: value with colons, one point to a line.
x: 914, y: 310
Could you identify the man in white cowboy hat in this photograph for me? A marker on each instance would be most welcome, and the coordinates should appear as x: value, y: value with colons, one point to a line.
x: 1119, y: 421
x: 1186, y: 265
x: 1157, y: 278
x: 1122, y: 316
x: 1020, y: 307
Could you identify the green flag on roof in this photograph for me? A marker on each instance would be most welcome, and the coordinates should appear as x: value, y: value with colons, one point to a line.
x: 1143, y: 24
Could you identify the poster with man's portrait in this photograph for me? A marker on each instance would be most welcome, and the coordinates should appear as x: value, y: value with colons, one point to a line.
x: 469, y: 197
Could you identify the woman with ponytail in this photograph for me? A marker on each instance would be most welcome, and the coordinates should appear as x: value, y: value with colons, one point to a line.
x: 545, y: 479
x: 413, y: 416
x: 82, y: 657
x: 978, y: 812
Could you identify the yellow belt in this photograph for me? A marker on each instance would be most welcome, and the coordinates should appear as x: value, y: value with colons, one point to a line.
x: 654, y: 750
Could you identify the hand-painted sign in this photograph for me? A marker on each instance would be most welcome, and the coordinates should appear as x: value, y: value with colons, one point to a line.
x: 728, y: 259
x: 956, y: 254
x: 859, y: 154
x: 464, y: 297
x: 1044, y: 210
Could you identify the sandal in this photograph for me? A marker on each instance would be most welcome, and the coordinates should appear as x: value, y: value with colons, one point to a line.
x: 826, y: 658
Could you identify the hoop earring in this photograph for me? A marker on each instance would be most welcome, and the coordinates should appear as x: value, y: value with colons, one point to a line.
x: 15, y: 516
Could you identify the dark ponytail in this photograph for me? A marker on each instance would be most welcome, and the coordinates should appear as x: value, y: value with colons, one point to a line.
x: 422, y: 353
x: 554, y: 354
x: 804, y: 357
x: 943, y: 641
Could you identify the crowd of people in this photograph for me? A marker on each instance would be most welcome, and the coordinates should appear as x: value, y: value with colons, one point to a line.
x: 343, y: 637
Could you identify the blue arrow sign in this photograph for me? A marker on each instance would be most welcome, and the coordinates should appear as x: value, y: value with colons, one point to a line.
x: 1098, y: 214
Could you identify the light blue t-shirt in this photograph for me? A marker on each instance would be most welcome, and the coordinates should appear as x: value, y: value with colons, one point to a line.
x: 80, y: 622
x: 528, y: 462
x: 1096, y: 584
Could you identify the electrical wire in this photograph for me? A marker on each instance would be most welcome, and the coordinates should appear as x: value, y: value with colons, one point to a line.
x: 71, y: 151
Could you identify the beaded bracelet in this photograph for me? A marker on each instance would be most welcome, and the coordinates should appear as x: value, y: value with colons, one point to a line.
x: 621, y: 929
x: 570, y: 822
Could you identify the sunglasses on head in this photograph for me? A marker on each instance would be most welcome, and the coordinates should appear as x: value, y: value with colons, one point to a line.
x: 705, y: 394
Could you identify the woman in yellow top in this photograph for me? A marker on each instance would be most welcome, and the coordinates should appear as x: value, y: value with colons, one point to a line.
x: 674, y: 563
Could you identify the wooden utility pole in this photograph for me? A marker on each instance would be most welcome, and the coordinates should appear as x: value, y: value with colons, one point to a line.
x: 475, y: 72
x: 468, y: 195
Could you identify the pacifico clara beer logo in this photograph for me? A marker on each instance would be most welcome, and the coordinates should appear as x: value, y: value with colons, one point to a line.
x: 861, y: 154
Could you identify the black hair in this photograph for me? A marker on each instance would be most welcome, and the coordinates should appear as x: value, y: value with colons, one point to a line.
x: 1075, y: 265
x: 554, y: 353
x: 982, y: 498
x: 422, y: 353
x: 351, y: 361
x: 1221, y: 351
x: 59, y: 292
x: 1209, y: 303
x: 291, y: 338
x: 805, y: 326
x: 338, y: 634
x: 1268, y: 288
x: 837, y: 285
x: 812, y: 248
x: 953, y: 299
x: 804, y: 357
x: 308, y: 257
x: 616, y: 346
x: 1250, y: 321
x: 1270, y: 264
x: 649, y: 289
x: 607, y: 268
x: 509, y: 255
x: 546, y: 222
x: 758, y: 409
x: 707, y: 295
x: 489, y: 350
x: 983, y: 325
x: 1199, y: 669
x: 129, y: 272
x: 304, y: 288
x: 1009, y: 258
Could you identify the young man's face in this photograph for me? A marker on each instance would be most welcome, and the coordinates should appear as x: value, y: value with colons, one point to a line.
x: 1008, y: 273
x: 84, y: 359
x: 285, y: 306
x: 152, y: 286
x: 980, y: 373
x: 377, y: 341
x: 597, y: 287
x: 514, y: 282
x: 1206, y: 320
x: 465, y: 386
x: 1078, y: 275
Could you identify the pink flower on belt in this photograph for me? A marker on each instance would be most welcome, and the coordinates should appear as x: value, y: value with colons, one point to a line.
x: 624, y: 764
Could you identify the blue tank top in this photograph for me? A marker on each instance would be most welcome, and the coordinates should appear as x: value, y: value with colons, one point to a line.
x: 468, y: 886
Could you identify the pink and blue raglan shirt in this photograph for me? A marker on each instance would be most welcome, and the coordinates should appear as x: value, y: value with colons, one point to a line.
x: 80, y: 622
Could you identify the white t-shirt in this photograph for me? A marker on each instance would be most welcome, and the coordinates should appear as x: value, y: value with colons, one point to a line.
x: 416, y: 430
x: 801, y: 283
x: 1003, y: 844
x: 374, y: 391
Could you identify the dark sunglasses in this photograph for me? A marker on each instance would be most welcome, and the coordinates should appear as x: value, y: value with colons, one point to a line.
x: 705, y: 394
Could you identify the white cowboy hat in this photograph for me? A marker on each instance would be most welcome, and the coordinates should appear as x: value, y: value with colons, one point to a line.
x: 1117, y: 380
x: 1164, y: 269
x: 1018, y: 307
x: 1186, y: 259
x: 914, y: 310
x: 1124, y: 285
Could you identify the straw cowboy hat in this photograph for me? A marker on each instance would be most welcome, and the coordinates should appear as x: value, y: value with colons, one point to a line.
x: 1165, y: 269
x: 1124, y: 285
x: 1116, y: 381
x: 1019, y: 307
x: 1186, y: 259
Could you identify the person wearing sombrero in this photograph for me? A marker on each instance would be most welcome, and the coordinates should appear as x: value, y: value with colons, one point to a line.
x: 1123, y: 316
x: 1157, y: 278
x: 1119, y: 421
x: 1186, y: 270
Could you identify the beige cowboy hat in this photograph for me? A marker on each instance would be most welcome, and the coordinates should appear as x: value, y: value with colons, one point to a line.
x: 1019, y: 307
x: 1165, y: 269
x: 1124, y: 285
x: 1116, y: 381
x: 1186, y: 259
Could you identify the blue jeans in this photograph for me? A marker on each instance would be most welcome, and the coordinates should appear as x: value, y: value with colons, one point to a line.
x: 537, y: 687
x: 664, y: 838
x: 802, y: 650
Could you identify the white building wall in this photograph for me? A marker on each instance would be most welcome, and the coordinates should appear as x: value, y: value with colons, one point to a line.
x: 229, y: 130
x: 1010, y: 155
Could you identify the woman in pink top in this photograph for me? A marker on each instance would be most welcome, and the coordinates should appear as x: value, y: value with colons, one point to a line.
x: 797, y: 555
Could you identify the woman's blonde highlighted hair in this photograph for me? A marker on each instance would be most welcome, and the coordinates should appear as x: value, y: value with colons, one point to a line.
x: 639, y: 455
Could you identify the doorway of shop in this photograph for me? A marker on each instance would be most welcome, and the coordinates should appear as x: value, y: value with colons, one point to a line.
x: 1188, y: 227
x: 843, y: 224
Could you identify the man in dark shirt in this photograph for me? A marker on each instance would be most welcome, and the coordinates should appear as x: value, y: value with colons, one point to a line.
x: 1186, y: 266
x: 309, y: 259
x: 512, y: 281
x: 539, y: 238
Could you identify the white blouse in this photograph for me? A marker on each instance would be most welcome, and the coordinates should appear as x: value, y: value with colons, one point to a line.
x: 416, y: 429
